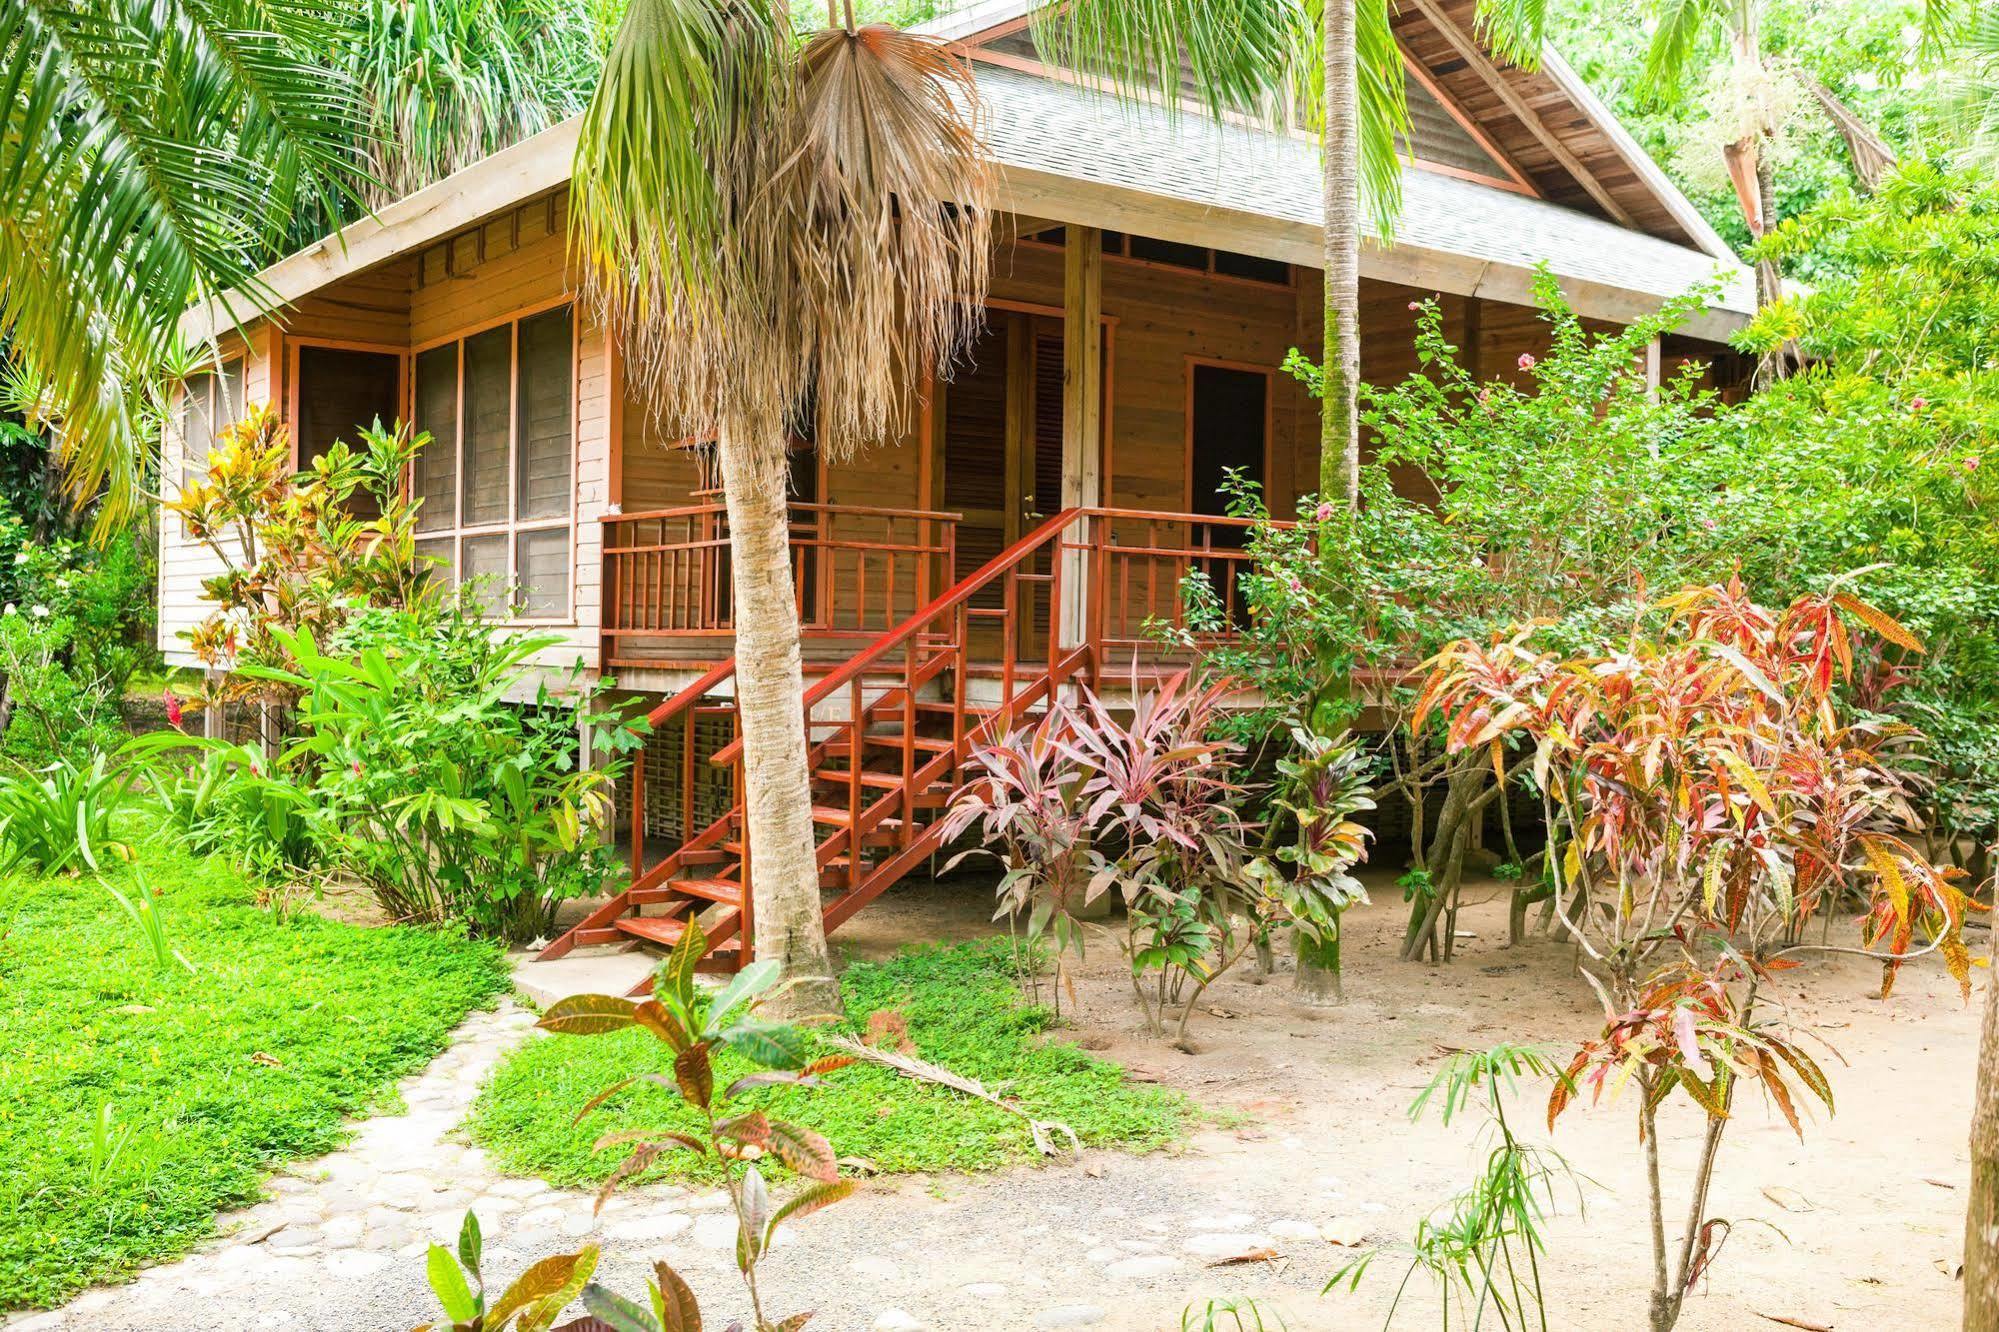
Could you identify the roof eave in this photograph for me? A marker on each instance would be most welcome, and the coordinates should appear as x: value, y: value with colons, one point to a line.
x: 491, y: 185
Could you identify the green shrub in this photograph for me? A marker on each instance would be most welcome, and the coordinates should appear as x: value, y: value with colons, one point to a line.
x: 69, y: 645
x: 224, y: 799
x: 58, y: 818
x: 448, y: 800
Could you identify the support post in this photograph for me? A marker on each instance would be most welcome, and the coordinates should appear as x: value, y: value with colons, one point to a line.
x: 1082, y: 409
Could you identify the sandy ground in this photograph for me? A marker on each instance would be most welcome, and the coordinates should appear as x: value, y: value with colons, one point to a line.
x: 1864, y: 1231
x: 1859, y: 1227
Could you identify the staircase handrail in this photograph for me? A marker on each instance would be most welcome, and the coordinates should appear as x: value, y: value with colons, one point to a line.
x: 959, y: 593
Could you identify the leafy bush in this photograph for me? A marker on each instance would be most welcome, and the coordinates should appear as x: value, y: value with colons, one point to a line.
x: 448, y: 801
x: 1708, y: 799
x: 295, y: 557
x: 225, y: 799
x: 1878, y: 458
x: 690, y: 1029
x: 1083, y: 801
x: 59, y: 818
x: 69, y: 646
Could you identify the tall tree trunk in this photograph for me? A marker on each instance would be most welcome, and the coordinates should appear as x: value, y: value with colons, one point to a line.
x: 1981, y: 1222
x: 770, y: 688
x: 1339, y: 439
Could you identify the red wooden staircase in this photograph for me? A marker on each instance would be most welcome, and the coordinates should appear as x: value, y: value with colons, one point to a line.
x: 901, y: 719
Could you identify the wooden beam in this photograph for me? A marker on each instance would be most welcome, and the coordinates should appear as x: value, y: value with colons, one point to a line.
x: 1469, y: 52
x: 1082, y: 367
x: 1082, y: 406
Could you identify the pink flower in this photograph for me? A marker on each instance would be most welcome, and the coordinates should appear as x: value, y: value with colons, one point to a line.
x: 1708, y: 523
x: 174, y: 714
x: 1324, y: 513
x: 1415, y: 305
x: 1526, y: 360
x: 1297, y: 587
x: 1917, y: 404
x: 1971, y: 464
x: 357, y: 767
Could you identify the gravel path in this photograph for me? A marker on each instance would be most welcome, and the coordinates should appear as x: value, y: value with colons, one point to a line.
x: 339, y: 1246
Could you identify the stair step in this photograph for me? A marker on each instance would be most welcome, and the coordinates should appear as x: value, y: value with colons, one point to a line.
x: 662, y: 930
x: 932, y: 744
x: 707, y: 855
x: 726, y: 891
x: 880, y: 781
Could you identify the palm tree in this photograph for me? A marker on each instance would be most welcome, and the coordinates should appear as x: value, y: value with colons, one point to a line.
x: 765, y: 220
x: 1678, y: 45
x: 154, y: 150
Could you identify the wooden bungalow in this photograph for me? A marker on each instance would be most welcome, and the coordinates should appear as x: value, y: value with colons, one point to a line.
x: 1050, y: 494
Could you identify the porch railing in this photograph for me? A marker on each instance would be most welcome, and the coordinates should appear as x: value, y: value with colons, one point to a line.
x: 1137, y: 563
x: 858, y: 570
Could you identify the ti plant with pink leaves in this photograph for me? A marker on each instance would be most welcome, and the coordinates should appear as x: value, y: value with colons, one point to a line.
x: 1086, y: 801
x: 690, y: 1028
x: 1707, y: 793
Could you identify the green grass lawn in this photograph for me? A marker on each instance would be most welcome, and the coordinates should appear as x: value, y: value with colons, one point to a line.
x: 963, y: 1012
x: 281, y: 1031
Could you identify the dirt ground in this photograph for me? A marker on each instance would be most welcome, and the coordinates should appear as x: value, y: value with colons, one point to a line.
x: 1858, y: 1227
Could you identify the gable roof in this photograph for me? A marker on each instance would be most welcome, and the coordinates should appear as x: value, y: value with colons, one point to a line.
x: 1069, y: 154
x: 1570, y: 146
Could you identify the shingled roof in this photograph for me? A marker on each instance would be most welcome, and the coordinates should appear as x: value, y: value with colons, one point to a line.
x: 1068, y: 153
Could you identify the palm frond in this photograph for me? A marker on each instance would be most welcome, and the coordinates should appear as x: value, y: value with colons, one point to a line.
x: 1384, y: 114
x: 1231, y: 55
x: 765, y: 224
x: 1684, y: 28
x: 151, y: 153
x: 884, y: 203
x: 1514, y: 30
x: 444, y: 83
x: 690, y: 102
x: 1971, y: 90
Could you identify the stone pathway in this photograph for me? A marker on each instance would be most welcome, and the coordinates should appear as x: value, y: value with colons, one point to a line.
x: 339, y: 1245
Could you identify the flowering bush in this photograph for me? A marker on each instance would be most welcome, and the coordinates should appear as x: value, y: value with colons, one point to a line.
x: 295, y: 558
x: 69, y: 646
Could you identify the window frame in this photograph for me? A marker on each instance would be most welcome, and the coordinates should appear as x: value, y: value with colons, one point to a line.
x: 212, y: 374
x: 1269, y: 375
x: 1122, y: 255
x: 405, y: 377
x: 512, y: 526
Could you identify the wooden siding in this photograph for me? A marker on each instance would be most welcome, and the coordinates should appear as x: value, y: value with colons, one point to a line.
x: 1160, y: 321
x: 487, y: 274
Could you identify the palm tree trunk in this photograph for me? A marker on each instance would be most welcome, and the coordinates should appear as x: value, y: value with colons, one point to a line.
x: 770, y: 687
x: 1339, y: 440
x: 1318, y: 978
x: 1981, y: 1222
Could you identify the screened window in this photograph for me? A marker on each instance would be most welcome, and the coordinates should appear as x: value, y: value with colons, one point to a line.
x: 340, y: 392
x: 209, y: 402
x: 496, y: 480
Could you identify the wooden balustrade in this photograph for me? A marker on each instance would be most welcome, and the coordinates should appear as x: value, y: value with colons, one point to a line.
x: 858, y: 570
x: 861, y: 571
x: 1138, y: 560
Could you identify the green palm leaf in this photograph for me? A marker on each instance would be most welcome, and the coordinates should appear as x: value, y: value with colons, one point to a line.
x: 152, y: 153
